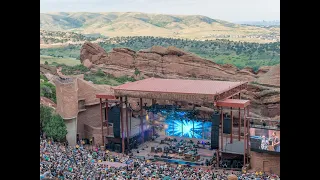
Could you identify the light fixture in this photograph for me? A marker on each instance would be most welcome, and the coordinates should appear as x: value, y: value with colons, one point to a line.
x: 264, y: 123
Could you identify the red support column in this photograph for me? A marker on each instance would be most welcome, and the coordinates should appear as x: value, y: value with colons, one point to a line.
x: 244, y: 137
x: 239, y: 130
x: 248, y: 134
x: 127, y: 122
x: 217, y: 157
x: 141, y: 120
x: 153, y: 103
x: 101, y: 118
x: 231, y: 134
x: 130, y: 122
x: 107, y: 120
x: 221, y: 120
x: 121, y: 119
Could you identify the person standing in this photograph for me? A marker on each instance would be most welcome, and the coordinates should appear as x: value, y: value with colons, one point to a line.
x: 264, y: 143
x: 275, y: 142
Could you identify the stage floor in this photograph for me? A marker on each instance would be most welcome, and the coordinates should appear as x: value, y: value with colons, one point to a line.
x: 145, y: 148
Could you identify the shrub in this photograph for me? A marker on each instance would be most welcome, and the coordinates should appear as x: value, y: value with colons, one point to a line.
x: 100, y: 73
x: 55, y: 128
x: 136, y: 72
x: 48, y: 90
x: 45, y: 114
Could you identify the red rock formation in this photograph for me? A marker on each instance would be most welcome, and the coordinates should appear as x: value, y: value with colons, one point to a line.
x: 271, y: 78
x: 47, y: 102
x: 44, y: 69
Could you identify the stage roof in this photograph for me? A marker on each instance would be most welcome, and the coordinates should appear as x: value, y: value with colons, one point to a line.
x: 180, y: 89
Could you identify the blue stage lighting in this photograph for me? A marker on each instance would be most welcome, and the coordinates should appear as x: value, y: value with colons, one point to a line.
x: 186, y: 128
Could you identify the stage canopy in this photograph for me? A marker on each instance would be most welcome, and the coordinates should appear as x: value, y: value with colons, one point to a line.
x: 181, y: 90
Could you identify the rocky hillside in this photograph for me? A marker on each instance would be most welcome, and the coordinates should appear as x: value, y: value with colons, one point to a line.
x: 172, y: 62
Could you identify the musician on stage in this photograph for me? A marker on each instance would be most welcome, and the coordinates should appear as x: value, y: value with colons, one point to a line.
x: 275, y: 142
x: 264, y: 143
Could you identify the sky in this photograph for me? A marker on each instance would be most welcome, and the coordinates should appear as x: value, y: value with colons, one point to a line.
x: 228, y: 10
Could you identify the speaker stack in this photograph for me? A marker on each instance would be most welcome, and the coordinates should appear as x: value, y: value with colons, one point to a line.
x: 226, y: 125
x: 114, y: 117
x: 255, y: 143
x: 215, y: 131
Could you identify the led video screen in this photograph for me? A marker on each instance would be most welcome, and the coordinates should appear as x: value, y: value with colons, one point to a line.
x: 188, y: 128
x: 264, y: 140
x: 182, y: 123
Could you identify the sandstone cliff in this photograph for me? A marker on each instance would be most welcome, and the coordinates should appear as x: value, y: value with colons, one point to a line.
x: 172, y: 62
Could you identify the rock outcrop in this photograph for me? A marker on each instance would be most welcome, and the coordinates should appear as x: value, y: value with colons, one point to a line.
x: 172, y: 62
x: 45, y: 69
x: 47, y: 102
x: 271, y: 78
x: 87, y: 63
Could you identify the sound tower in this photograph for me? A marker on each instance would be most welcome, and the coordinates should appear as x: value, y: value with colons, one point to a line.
x: 114, y: 117
x: 226, y: 125
x: 215, y: 131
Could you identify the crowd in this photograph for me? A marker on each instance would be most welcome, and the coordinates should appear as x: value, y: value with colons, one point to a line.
x: 60, y: 161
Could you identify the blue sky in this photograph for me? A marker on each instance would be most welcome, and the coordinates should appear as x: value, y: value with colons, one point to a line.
x: 229, y: 10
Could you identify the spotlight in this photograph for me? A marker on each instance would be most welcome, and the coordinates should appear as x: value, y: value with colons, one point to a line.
x: 264, y: 123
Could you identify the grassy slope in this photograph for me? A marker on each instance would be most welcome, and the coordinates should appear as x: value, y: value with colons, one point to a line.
x: 66, y: 61
x: 141, y: 24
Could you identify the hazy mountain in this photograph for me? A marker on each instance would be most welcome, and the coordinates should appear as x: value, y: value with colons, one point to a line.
x: 141, y: 24
x: 261, y: 23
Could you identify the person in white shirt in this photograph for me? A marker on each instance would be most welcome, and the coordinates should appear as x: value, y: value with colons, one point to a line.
x: 264, y: 143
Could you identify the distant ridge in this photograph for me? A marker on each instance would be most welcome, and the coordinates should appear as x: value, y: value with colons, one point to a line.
x: 113, y: 24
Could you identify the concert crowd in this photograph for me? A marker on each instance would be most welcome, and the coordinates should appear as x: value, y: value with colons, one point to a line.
x: 63, y: 162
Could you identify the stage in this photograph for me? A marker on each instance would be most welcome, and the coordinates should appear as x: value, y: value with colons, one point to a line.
x: 205, y: 153
x: 182, y: 124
